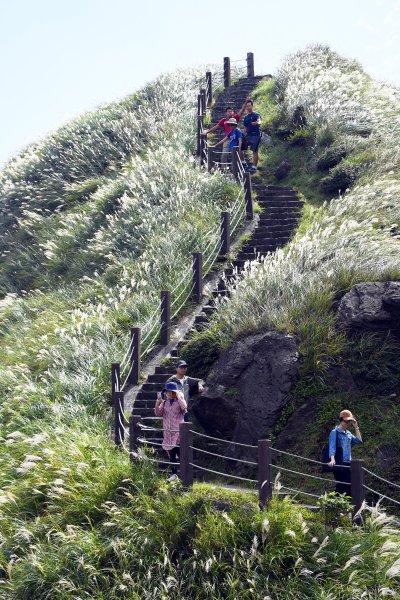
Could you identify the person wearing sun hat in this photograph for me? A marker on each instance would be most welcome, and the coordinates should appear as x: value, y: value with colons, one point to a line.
x: 171, y: 406
x: 340, y: 442
x: 235, y: 137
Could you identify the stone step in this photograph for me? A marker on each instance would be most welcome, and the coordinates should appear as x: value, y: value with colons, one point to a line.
x: 268, y: 221
x: 256, y: 248
x: 201, y: 319
x: 272, y: 228
x: 167, y: 369
x: 281, y: 210
x: 156, y: 378
x: 144, y: 396
x: 285, y: 201
x: 155, y: 387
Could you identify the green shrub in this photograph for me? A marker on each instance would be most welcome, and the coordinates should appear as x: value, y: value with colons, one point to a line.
x: 302, y: 137
x: 331, y: 157
x: 340, y: 178
x: 202, y: 351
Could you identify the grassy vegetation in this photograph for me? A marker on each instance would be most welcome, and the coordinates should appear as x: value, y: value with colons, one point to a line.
x: 154, y: 540
x: 95, y: 220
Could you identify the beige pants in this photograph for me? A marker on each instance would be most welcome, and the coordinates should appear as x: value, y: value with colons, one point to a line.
x: 226, y: 155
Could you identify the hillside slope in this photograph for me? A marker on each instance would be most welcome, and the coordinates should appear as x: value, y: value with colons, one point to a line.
x: 96, y: 219
x: 335, y: 125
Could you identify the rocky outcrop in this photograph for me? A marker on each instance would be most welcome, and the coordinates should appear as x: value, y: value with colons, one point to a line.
x: 248, y: 387
x: 373, y: 305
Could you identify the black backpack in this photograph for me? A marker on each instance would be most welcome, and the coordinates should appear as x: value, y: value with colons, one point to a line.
x: 326, y: 458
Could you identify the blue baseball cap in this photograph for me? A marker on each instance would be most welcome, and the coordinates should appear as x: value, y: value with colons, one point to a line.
x: 172, y: 386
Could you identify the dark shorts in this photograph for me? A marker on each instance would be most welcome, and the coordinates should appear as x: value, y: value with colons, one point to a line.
x: 252, y: 142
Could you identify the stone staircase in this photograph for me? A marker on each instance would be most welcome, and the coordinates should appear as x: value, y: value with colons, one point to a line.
x: 280, y: 214
x: 281, y: 210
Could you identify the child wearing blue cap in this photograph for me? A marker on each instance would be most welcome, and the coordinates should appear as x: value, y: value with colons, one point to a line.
x: 172, y: 408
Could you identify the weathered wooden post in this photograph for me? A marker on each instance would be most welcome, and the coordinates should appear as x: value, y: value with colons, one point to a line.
x: 165, y: 317
x: 235, y: 162
x: 357, y: 484
x: 203, y: 95
x: 199, y: 133
x: 203, y: 148
x: 186, y: 454
x: 199, y: 105
x: 135, y: 355
x: 209, y: 87
x: 115, y: 379
x: 134, y: 433
x: 197, y: 276
x: 227, y: 72
x: 225, y: 232
x: 119, y: 432
x: 248, y: 196
x: 264, y: 472
x: 250, y: 64
x: 210, y: 158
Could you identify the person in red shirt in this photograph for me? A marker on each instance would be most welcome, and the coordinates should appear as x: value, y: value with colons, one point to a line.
x: 227, y: 129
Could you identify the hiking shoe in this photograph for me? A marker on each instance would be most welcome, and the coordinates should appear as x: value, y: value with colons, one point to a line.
x: 252, y: 169
x: 173, y: 477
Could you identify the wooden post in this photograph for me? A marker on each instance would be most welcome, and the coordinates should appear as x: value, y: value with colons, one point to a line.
x: 235, y: 162
x: 203, y: 148
x: 248, y: 197
x: 119, y: 432
x: 250, y: 64
x: 209, y: 87
x: 227, y: 72
x: 357, y: 484
x: 165, y: 317
x: 210, y: 158
x: 199, y: 133
x: 199, y: 105
x: 186, y: 454
x: 115, y: 379
x: 203, y: 101
x: 225, y: 232
x: 135, y: 355
x: 197, y: 276
x: 134, y: 432
x: 264, y: 472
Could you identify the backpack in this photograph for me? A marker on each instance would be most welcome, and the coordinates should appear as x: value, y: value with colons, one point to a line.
x: 325, y: 458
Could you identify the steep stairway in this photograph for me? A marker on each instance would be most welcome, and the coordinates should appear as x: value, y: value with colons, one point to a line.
x: 233, y: 96
x: 281, y: 209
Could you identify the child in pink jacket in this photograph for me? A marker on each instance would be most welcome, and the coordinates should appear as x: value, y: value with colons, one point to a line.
x: 172, y: 409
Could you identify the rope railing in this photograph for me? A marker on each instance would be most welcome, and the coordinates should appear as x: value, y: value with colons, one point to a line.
x: 381, y: 495
x: 264, y: 466
x: 381, y: 478
x: 280, y: 468
x: 183, y: 303
x: 317, y: 462
x: 201, y: 468
x: 203, y: 435
x: 247, y: 462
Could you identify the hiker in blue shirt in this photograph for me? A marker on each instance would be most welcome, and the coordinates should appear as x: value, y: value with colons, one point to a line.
x: 235, y: 137
x: 252, y: 122
x: 340, y: 443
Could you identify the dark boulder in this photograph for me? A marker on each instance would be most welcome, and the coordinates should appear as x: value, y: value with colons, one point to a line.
x: 283, y: 169
x: 248, y: 387
x: 374, y: 305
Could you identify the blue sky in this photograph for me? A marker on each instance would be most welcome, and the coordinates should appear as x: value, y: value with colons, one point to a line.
x: 59, y: 58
